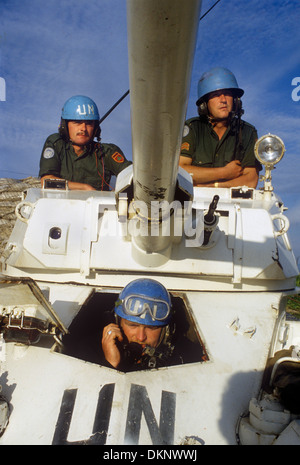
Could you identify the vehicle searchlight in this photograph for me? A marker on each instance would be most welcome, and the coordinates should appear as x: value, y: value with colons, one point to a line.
x: 269, y: 150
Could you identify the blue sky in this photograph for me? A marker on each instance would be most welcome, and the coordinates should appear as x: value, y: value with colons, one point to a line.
x: 52, y: 50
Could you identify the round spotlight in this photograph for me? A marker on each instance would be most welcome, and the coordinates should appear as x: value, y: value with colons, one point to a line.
x: 269, y: 149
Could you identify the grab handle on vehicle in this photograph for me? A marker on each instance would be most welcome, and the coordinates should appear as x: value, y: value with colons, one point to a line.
x: 284, y: 224
x: 20, y: 214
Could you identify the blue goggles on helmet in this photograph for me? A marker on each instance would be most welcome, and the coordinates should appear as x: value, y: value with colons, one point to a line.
x: 143, y: 308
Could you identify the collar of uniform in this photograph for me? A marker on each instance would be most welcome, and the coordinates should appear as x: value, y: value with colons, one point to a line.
x: 89, y: 149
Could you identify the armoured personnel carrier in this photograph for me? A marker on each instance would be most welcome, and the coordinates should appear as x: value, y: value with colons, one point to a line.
x: 223, y: 254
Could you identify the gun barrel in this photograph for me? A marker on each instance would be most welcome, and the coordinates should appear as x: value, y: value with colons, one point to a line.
x: 161, y: 42
x: 210, y: 215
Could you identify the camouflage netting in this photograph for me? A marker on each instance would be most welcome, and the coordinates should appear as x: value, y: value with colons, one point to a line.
x: 11, y: 191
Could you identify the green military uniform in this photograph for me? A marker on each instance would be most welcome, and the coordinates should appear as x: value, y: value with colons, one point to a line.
x: 202, y: 144
x: 94, y: 167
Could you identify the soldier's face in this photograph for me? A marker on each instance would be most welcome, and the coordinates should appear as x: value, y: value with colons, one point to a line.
x: 220, y: 103
x: 81, y: 132
x: 141, y: 334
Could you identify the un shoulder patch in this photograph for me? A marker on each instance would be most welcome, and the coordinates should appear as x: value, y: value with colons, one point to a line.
x: 48, y: 152
x: 186, y: 130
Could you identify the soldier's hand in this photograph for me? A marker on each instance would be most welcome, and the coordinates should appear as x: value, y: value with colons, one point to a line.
x: 111, y: 333
x: 233, y: 170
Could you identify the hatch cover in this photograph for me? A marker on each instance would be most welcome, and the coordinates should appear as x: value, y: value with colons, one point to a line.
x: 25, y: 312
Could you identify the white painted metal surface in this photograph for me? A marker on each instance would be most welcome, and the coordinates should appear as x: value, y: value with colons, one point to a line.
x: 246, y: 252
x: 237, y: 309
x: 208, y: 406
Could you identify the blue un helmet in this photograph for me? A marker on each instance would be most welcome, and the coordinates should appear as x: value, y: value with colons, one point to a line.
x: 217, y: 79
x: 144, y: 301
x: 79, y: 108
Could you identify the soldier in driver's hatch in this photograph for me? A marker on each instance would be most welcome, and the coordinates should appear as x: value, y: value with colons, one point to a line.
x: 143, y: 335
x: 73, y: 155
x: 218, y: 146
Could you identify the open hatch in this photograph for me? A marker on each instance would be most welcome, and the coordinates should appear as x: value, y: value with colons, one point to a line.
x: 83, y: 340
x: 26, y: 316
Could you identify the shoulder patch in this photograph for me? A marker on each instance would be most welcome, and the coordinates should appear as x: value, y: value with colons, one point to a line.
x: 118, y: 157
x: 48, y: 153
x: 186, y: 130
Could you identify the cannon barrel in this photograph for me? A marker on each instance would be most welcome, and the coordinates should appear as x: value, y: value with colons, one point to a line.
x: 161, y: 42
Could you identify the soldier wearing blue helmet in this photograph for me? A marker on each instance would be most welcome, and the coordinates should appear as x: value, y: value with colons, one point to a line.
x: 73, y: 155
x: 143, y: 335
x: 218, y: 146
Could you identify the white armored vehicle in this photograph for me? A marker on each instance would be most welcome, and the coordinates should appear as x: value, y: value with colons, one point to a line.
x: 223, y: 254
